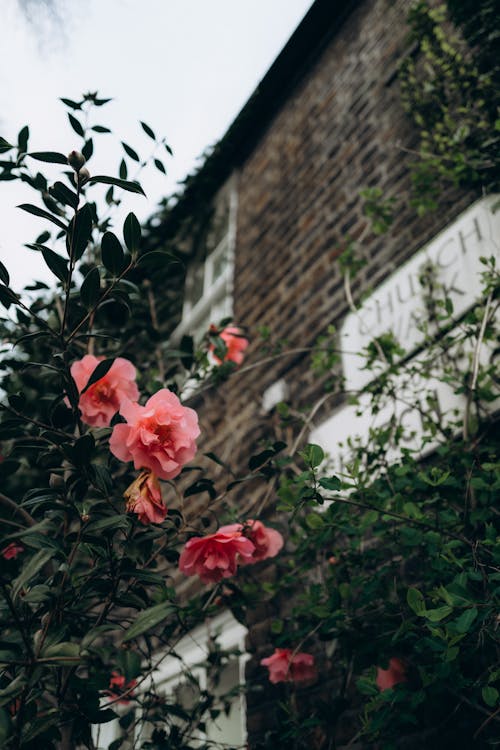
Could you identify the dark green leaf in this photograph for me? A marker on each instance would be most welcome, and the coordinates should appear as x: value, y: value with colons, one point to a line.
x: 71, y: 103
x: 168, y: 149
x: 99, y: 372
x: 157, y: 258
x: 159, y: 165
x: 44, y: 214
x: 22, y: 139
x: 132, y: 232
x: 80, y: 236
x: 91, y: 288
x: 101, y: 129
x: 464, y: 622
x: 148, y: 619
x: 123, y: 171
x: 7, y: 296
x: 30, y: 570
x: 64, y: 195
x: 148, y: 130
x: 76, y: 125
x: 4, y: 275
x: 130, y: 152
x: 112, y: 253
x: 57, y: 264
x: 132, y: 187
x: 5, y: 145
x: 53, y: 157
x: 88, y: 149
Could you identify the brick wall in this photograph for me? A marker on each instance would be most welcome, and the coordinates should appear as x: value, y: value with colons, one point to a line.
x: 342, y: 129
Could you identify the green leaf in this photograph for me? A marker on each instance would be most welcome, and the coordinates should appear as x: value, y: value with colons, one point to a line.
x: 464, y: 622
x: 76, y: 125
x: 65, y: 648
x: 31, y: 569
x: 123, y: 171
x: 112, y: 254
x: 314, y: 455
x: 435, y: 615
x: 490, y: 696
x: 99, y: 372
x: 315, y: 521
x: 88, y: 149
x: 43, y: 214
x: 157, y: 258
x: 91, y: 288
x: 132, y: 232
x: 132, y: 187
x: 57, y: 264
x: 100, y: 129
x: 52, y: 157
x: 114, y: 522
x: 148, y: 130
x: 416, y: 601
x: 130, y: 152
x: 148, y: 619
x: 330, y: 483
x: 79, y: 236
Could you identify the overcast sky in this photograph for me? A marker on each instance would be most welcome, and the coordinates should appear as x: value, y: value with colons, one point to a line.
x: 186, y: 67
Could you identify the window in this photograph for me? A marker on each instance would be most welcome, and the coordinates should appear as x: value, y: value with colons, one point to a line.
x: 183, y: 676
x: 208, y: 294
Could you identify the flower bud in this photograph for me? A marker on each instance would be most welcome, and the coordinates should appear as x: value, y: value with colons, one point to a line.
x: 82, y: 176
x: 76, y: 160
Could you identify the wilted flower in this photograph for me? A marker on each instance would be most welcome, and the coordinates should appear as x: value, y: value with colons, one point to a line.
x: 11, y: 551
x: 144, y: 498
x: 215, y: 556
x: 286, y: 666
x: 159, y: 436
x: 395, y: 673
x: 102, y: 400
x: 267, y: 542
x: 118, y: 682
x: 236, y: 344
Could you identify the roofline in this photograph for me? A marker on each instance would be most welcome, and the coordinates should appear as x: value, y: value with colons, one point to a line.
x: 319, y: 25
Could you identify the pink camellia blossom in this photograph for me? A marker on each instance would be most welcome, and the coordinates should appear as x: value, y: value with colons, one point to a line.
x: 267, y: 542
x: 394, y: 674
x: 102, y: 400
x: 144, y: 498
x: 118, y: 681
x: 159, y: 436
x: 215, y: 556
x: 11, y: 551
x: 286, y: 666
x: 235, y: 342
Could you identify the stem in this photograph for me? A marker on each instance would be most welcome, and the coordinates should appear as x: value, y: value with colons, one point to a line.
x: 8, y: 503
x: 71, y: 257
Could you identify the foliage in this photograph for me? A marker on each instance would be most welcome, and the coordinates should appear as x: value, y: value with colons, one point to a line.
x: 451, y: 94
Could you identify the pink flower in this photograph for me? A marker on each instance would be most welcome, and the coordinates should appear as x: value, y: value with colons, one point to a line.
x: 216, y: 556
x: 387, y: 678
x: 102, y: 400
x: 235, y: 342
x: 144, y: 498
x: 118, y: 681
x: 267, y: 542
x: 286, y: 666
x: 159, y: 436
x: 11, y: 551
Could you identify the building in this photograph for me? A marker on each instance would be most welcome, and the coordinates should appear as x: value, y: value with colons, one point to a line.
x: 264, y: 221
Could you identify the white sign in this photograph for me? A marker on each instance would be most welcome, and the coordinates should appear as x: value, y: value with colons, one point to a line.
x: 399, y: 304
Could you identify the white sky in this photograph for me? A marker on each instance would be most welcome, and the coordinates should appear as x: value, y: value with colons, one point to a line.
x: 185, y: 67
